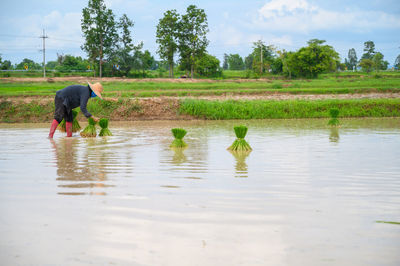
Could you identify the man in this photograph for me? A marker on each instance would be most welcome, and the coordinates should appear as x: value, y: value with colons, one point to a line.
x: 70, y: 98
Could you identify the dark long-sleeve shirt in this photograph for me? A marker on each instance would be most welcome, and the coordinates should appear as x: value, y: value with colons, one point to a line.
x: 74, y: 96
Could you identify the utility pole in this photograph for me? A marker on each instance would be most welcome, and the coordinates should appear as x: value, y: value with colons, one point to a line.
x: 261, y: 55
x: 44, y: 37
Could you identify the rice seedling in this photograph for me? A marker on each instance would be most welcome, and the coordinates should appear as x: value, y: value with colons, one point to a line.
x: 334, y: 113
x: 90, y: 130
x: 240, y: 144
x: 178, y: 142
x: 75, y: 124
x: 103, y: 122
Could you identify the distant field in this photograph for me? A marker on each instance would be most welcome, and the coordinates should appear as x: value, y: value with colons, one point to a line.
x: 327, y: 84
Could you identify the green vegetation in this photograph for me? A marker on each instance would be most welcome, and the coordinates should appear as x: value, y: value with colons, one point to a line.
x: 240, y: 144
x: 386, y: 222
x: 90, y: 129
x: 178, y: 142
x: 103, y: 122
x: 334, y: 112
x: 262, y: 109
x: 75, y: 124
x: 328, y: 84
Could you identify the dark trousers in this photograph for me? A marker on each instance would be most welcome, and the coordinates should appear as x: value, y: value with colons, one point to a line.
x: 61, y: 111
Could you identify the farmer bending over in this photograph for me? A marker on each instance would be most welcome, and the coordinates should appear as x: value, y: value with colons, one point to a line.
x: 70, y: 98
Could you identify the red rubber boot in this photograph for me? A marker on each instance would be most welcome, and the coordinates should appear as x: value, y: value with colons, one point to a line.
x: 53, y: 128
x: 68, y: 128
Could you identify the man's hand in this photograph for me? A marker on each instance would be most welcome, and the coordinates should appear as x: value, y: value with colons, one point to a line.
x: 95, y: 118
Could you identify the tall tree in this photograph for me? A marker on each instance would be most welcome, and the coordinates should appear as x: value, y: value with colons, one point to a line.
x: 126, y: 49
x: 167, y: 34
x: 366, y: 64
x: 263, y: 56
x: 369, y: 50
x: 314, y: 59
x: 397, y: 62
x: 248, y: 61
x: 225, y: 65
x: 99, y: 29
x: 352, y: 62
x: 235, y: 62
x: 378, y: 61
x: 192, y: 36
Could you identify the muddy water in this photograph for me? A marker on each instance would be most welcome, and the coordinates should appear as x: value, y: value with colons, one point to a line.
x: 305, y: 195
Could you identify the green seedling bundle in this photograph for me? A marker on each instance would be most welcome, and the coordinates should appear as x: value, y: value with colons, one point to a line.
x: 178, y: 142
x: 75, y: 124
x: 103, y: 122
x: 240, y: 144
x: 90, y: 130
x: 334, y: 113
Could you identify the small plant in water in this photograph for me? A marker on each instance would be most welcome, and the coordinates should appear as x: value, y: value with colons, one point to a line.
x: 240, y: 144
x: 75, y: 124
x: 90, y: 130
x: 334, y: 112
x: 178, y: 142
x: 103, y: 122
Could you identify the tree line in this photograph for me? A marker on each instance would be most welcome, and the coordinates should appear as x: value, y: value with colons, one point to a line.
x: 111, y: 51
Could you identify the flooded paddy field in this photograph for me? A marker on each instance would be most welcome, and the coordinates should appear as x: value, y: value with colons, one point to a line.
x: 307, y: 194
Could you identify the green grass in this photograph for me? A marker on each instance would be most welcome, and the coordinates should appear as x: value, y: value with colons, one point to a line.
x: 38, y: 112
x: 262, y: 109
x: 386, y: 222
x: 138, y: 88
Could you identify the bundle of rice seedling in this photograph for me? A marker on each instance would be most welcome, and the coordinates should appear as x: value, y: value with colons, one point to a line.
x: 178, y: 142
x: 75, y: 124
x: 334, y: 112
x: 103, y: 122
x: 240, y: 144
x: 90, y: 130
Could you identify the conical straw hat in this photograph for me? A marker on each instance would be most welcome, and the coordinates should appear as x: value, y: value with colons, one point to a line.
x: 96, y: 88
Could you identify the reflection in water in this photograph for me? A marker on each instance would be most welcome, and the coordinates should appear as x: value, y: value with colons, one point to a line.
x: 179, y: 157
x: 241, y: 166
x: 78, y: 174
x: 334, y: 135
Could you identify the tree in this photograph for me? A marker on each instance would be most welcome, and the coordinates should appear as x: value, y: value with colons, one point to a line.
x: 235, y: 62
x: 248, y: 61
x: 225, y: 65
x: 125, y: 53
x: 369, y: 50
x: 314, y: 59
x: 99, y: 29
x: 366, y: 65
x: 28, y: 64
x: 262, y: 57
x: 192, y: 37
x: 146, y: 61
x: 352, y: 62
x: 208, y: 65
x: 378, y: 61
x: 5, y: 65
x: 167, y: 35
x: 397, y: 62
x: 72, y: 63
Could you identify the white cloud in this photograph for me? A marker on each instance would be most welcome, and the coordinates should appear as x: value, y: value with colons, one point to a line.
x: 301, y: 16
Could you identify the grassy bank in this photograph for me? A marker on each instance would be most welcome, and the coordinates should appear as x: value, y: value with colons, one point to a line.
x: 43, y: 111
x: 259, y: 109
x: 142, y: 109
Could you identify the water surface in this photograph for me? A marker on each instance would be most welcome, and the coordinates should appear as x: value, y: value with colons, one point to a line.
x: 306, y: 195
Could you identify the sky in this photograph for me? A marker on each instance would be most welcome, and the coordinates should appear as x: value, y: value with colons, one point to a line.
x: 233, y: 25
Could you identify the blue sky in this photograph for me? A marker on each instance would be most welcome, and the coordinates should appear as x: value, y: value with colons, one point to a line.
x: 234, y: 25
